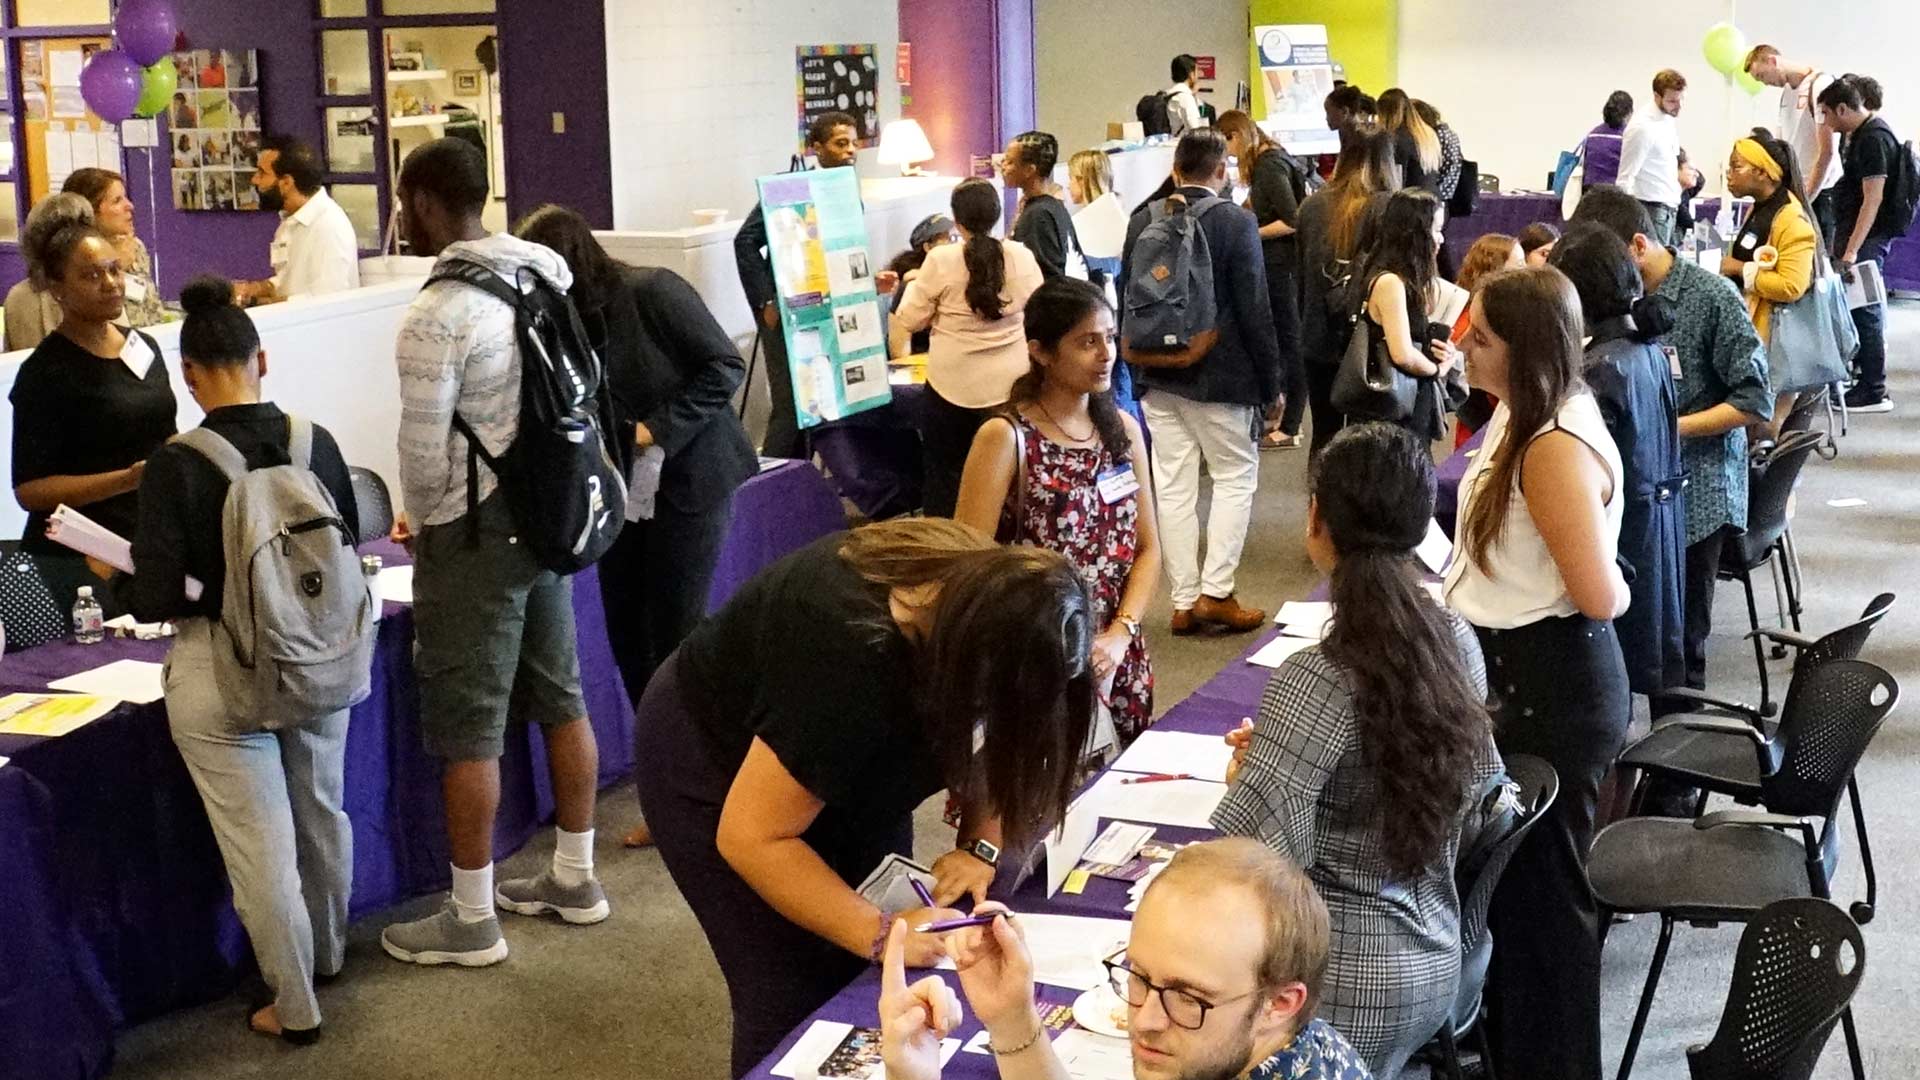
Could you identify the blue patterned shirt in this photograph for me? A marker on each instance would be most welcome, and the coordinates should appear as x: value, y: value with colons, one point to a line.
x: 1721, y: 360
x: 1317, y: 1053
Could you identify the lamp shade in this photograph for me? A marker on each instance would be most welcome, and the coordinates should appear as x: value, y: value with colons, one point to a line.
x: 902, y: 142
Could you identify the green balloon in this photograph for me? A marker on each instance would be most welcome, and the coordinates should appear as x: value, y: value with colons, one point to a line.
x: 1725, y: 48
x: 157, y: 87
x: 1748, y: 83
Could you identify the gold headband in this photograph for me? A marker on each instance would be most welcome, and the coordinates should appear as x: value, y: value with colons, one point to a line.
x: 1756, y: 155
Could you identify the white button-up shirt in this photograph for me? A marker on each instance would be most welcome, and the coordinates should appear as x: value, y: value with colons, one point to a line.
x: 1650, y: 158
x: 315, y: 250
x: 1183, y: 109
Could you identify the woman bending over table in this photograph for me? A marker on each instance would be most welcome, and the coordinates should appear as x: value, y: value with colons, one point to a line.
x: 783, y: 749
x: 1066, y: 470
x: 1534, y: 570
x: 274, y: 797
x: 1373, y: 751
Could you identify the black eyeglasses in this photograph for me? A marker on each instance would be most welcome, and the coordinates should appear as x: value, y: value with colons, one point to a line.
x: 1183, y: 1009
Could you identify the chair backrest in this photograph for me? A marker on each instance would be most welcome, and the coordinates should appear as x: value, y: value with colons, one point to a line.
x: 1798, y: 965
x: 1772, y: 488
x: 374, y: 503
x: 28, y: 609
x: 1539, y: 786
x: 1831, y: 714
x: 1846, y: 642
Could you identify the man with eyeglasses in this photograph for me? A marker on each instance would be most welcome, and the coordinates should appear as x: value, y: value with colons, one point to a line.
x: 1221, y: 976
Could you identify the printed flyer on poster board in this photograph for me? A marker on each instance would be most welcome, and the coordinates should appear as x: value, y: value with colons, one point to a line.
x: 829, y: 309
x: 1296, y: 75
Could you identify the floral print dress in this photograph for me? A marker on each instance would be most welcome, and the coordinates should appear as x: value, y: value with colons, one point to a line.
x: 1064, y: 512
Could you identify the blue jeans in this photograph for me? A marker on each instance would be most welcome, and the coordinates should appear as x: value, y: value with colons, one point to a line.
x: 1870, y: 363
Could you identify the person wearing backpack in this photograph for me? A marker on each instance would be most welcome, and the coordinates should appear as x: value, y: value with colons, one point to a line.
x: 1194, y: 273
x: 273, y: 785
x: 1873, y: 206
x: 493, y: 620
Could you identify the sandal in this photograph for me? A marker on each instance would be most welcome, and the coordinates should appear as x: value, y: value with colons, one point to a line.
x: 292, y: 1036
x: 1279, y: 440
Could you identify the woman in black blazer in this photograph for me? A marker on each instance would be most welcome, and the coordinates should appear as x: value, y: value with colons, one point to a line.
x: 673, y: 372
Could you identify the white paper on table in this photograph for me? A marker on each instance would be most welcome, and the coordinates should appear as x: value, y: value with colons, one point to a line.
x: 1436, y: 549
x: 396, y: 584
x: 123, y: 680
x: 1088, y: 1056
x: 1065, y: 844
x: 1119, y: 843
x: 1305, y: 618
x: 1203, y: 756
x: 142, y: 631
x: 1188, y: 804
x: 3, y: 762
x: 1275, y: 652
x: 823, y: 1038
x: 1101, y: 227
x: 72, y: 529
x: 1067, y: 949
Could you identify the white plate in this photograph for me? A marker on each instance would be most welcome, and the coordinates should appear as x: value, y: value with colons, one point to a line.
x: 1094, y: 1011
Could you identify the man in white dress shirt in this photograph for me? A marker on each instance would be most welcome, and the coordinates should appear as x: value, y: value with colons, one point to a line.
x: 1650, y: 155
x: 1816, y: 146
x: 1183, y: 106
x: 315, y: 250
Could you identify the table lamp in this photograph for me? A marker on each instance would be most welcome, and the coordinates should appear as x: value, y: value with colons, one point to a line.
x: 903, y: 143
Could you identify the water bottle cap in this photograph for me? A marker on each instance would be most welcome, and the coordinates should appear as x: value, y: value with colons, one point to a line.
x: 86, y: 592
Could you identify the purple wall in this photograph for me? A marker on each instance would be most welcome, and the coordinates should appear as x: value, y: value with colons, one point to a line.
x: 536, y: 36
x: 972, y: 74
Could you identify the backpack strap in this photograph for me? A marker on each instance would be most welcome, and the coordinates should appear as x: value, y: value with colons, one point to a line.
x: 473, y: 274
x: 300, y: 442
x: 216, y: 449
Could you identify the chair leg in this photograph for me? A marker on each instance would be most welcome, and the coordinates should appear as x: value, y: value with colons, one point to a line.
x: 1785, y: 553
x: 1759, y: 644
x: 1862, y: 913
x: 1450, y: 1052
x: 1853, y: 1044
x: 1779, y: 592
x: 1486, y: 1049
x: 1646, y: 997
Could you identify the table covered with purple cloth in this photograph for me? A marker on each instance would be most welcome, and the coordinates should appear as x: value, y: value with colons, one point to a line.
x: 1501, y: 213
x: 874, y: 456
x: 1447, y: 476
x: 124, y: 845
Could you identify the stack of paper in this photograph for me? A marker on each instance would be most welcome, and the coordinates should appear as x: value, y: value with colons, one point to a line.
x: 1305, y: 618
x: 123, y: 680
x: 1203, y: 757
x: 73, y: 529
x: 1275, y: 652
x: 125, y: 626
x: 1068, y: 949
x: 49, y: 715
x: 1187, y: 804
x: 396, y: 584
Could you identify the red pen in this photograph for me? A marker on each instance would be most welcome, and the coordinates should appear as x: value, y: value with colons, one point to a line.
x: 1154, y: 778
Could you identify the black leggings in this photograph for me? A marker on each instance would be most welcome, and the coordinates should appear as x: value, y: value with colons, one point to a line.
x: 1327, y: 420
x: 946, y: 437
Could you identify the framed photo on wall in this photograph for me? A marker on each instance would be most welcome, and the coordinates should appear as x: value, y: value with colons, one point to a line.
x: 213, y: 129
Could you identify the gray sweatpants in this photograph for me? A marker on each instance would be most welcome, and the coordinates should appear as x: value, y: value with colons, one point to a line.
x: 274, y: 799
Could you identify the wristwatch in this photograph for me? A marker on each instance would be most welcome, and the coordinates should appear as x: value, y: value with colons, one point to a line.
x: 1131, y: 624
x: 984, y: 851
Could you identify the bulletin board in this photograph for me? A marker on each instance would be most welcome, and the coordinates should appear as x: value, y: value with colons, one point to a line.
x: 839, y: 78
x: 213, y: 129
x: 62, y: 134
x: 829, y: 308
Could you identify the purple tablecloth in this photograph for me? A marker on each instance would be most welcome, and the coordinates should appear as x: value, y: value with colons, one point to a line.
x: 1506, y: 214
x: 874, y: 456
x: 1447, y: 476
x: 123, y: 839
x: 1902, y: 270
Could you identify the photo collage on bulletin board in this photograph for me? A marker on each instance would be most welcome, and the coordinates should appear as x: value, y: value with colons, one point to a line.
x: 213, y: 129
x: 839, y: 78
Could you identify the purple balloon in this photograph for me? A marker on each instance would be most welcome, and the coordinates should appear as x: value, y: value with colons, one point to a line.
x: 110, y: 83
x: 146, y: 30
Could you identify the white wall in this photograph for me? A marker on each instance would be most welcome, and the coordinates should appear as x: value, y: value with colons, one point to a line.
x: 1521, y: 80
x: 701, y: 96
x: 1093, y: 62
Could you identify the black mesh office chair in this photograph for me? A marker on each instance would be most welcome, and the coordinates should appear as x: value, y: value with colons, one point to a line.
x: 375, y: 504
x: 1764, y: 537
x: 1475, y: 879
x: 1726, y: 747
x: 1728, y: 865
x: 1798, y: 966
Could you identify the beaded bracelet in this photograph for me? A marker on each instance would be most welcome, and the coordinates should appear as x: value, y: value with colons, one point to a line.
x: 1039, y: 1029
x: 878, y: 951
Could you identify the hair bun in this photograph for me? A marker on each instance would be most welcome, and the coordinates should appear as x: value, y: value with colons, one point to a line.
x: 206, y: 293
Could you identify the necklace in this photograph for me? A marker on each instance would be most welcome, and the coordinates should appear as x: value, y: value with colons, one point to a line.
x: 1064, y: 430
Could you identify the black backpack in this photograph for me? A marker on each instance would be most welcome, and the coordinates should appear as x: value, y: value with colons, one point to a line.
x: 1903, y: 194
x: 566, y: 493
x: 1153, y: 114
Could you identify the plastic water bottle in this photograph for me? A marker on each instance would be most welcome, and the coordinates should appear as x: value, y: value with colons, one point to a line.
x: 89, y: 622
x: 370, y: 566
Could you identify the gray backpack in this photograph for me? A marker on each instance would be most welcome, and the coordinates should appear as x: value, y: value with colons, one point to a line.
x: 1169, y: 301
x: 295, y: 636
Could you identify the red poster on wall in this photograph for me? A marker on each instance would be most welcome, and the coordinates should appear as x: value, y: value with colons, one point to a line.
x: 903, y: 63
x: 1206, y: 67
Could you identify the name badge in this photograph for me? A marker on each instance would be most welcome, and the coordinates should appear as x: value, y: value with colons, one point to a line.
x: 1747, y: 241
x: 134, y: 288
x: 1117, y: 483
x: 137, y: 356
x: 1673, y: 361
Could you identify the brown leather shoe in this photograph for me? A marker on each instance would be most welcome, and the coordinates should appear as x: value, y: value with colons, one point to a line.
x: 1184, y: 623
x: 1228, y: 613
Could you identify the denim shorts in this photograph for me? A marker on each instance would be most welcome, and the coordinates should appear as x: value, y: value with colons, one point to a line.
x: 493, y: 636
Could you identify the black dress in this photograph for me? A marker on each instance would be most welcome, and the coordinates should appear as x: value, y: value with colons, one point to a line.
x: 1273, y: 196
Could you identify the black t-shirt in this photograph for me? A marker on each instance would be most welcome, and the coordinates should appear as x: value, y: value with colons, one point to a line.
x: 76, y: 414
x: 1272, y: 198
x: 807, y: 657
x: 1046, y: 228
x: 1871, y: 152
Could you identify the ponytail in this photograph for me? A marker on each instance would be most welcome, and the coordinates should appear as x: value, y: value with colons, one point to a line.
x: 976, y: 208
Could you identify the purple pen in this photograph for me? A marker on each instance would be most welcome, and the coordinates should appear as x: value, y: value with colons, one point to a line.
x: 921, y: 891
x: 961, y: 924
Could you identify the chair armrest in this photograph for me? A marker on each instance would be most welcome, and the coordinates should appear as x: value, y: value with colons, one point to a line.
x: 1783, y: 637
x: 1749, y: 818
x: 1701, y: 697
x: 1724, y: 725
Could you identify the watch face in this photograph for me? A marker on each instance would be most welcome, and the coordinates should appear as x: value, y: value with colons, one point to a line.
x: 986, y: 851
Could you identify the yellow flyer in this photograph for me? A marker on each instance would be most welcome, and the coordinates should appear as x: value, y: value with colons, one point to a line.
x: 50, y: 715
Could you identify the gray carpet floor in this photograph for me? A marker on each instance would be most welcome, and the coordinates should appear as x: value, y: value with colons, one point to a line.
x: 639, y: 996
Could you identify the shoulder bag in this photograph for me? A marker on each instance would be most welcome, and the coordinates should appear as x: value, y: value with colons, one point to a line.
x: 1813, y: 339
x: 1367, y: 384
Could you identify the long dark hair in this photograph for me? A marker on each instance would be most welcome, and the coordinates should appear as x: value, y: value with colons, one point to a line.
x: 1252, y: 136
x: 1537, y: 314
x: 976, y: 208
x: 1602, y: 271
x: 1365, y: 168
x: 596, y: 274
x: 1403, y: 246
x: 1420, y: 718
x: 1009, y: 654
x: 1053, y: 310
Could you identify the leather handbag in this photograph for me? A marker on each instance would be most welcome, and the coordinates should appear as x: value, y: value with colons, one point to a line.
x: 1812, y: 340
x: 1368, y: 385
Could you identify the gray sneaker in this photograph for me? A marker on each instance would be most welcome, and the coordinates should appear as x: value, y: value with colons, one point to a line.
x: 578, y: 904
x: 442, y: 938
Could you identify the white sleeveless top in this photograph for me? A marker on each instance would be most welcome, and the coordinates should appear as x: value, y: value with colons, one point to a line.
x: 1520, y: 583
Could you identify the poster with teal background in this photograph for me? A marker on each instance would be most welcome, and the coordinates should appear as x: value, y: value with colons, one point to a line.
x: 829, y: 310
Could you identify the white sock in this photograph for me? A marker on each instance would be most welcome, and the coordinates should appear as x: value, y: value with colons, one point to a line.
x: 473, y: 894
x: 572, y: 857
